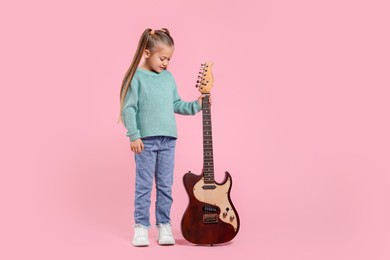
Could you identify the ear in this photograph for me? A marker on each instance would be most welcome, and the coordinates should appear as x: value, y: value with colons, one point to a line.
x: 146, y: 53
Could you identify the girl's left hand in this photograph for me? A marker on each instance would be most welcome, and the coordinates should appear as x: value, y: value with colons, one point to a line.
x: 201, y: 98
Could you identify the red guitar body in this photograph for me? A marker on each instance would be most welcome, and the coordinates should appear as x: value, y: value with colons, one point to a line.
x: 215, y: 230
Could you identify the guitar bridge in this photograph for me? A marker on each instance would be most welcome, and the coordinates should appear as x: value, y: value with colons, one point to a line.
x: 210, y: 218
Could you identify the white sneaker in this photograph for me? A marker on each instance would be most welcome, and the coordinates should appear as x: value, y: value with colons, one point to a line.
x: 165, y: 236
x: 141, y: 236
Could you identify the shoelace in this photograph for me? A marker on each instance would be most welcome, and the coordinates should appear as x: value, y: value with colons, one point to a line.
x: 141, y: 231
x: 166, y: 229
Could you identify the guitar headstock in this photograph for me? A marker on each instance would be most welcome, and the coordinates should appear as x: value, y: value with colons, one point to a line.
x: 205, y: 79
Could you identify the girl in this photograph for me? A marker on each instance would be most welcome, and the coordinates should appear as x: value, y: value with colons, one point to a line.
x: 148, y: 101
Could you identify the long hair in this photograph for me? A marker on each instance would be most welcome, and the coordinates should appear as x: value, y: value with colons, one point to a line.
x: 149, y: 40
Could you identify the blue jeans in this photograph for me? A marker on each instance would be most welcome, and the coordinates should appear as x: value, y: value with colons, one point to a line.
x: 155, y: 161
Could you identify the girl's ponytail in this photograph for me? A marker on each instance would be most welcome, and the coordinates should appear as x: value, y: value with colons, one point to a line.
x: 133, y: 67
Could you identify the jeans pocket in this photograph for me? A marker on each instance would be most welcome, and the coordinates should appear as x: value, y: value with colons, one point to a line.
x: 171, y: 142
x: 148, y: 142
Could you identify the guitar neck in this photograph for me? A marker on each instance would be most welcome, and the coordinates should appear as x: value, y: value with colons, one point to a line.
x: 208, y: 160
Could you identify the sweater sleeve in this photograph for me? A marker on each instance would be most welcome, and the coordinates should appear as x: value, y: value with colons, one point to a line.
x: 183, y: 107
x: 129, y: 113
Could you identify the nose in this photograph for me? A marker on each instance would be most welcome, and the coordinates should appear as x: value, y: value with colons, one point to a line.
x: 165, y: 62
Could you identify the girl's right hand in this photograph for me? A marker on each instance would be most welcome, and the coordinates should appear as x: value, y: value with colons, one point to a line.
x: 137, y: 146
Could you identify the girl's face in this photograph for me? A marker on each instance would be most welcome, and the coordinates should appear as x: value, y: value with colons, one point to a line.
x: 158, y: 60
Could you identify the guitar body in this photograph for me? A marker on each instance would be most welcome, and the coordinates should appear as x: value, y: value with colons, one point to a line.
x: 210, y: 217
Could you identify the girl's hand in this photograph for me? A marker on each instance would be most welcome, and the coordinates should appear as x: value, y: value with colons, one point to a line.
x: 137, y: 146
x: 201, y: 98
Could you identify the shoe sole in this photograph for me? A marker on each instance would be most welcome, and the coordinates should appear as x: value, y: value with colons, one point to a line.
x: 140, y: 244
x: 166, y: 243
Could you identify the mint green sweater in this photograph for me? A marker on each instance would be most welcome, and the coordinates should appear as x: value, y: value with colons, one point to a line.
x: 150, y: 104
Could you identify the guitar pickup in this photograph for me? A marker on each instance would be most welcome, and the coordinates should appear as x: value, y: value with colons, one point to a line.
x: 209, y: 187
x: 210, y: 218
x: 210, y: 209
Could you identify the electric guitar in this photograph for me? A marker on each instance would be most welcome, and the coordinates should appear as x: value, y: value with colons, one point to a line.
x: 210, y: 217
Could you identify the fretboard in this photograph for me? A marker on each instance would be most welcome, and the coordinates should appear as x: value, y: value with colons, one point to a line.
x: 208, y: 161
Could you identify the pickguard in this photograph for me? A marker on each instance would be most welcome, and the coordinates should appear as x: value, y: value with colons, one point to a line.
x: 219, y: 197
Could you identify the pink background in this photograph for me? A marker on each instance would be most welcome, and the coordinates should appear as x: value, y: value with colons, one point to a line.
x: 300, y: 119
